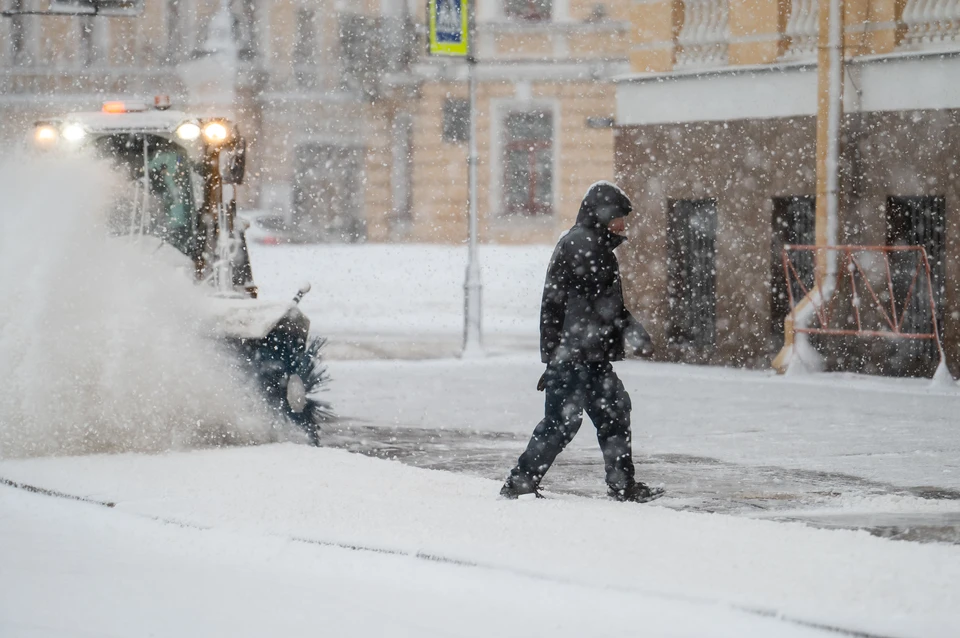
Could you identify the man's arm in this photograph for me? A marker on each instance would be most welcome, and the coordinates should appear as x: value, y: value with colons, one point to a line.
x: 636, y: 339
x: 554, y: 304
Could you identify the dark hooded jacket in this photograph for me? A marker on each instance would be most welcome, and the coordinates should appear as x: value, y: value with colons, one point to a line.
x: 582, y: 317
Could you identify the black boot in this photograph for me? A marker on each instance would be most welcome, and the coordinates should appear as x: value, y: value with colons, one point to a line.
x: 518, y: 485
x: 635, y: 492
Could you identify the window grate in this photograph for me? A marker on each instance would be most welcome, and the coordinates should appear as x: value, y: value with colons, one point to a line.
x: 692, y: 287
x: 917, y: 221
x: 793, y: 224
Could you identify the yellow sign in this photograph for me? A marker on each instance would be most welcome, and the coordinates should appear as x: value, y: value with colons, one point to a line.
x: 449, y: 27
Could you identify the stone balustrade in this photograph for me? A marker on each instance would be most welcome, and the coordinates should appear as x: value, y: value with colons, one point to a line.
x: 703, y: 39
x: 931, y: 24
x: 802, y: 30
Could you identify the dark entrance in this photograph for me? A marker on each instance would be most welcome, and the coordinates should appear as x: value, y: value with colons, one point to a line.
x: 793, y: 223
x: 916, y: 221
x: 328, y: 193
x: 691, y: 263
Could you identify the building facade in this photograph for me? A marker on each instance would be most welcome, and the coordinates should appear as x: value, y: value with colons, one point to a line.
x: 355, y: 133
x: 545, y: 105
x: 293, y: 74
x: 716, y: 144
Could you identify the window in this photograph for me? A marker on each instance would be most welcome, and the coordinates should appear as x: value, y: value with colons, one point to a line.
x: 917, y: 221
x: 103, y: 7
x: 401, y: 173
x: 691, y: 263
x: 245, y: 30
x: 361, y: 57
x: 793, y: 223
x: 18, y: 36
x: 87, y: 51
x: 528, y: 163
x: 305, y: 40
x: 328, y: 192
x: 456, y: 120
x: 528, y: 9
x: 305, y: 49
x: 170, y: 211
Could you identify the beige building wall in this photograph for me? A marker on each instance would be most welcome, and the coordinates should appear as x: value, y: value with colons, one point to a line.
x: 749, y: 32
x: 583, y: 155
x: 562, y: 65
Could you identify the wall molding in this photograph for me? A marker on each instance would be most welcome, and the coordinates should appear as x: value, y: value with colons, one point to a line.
x: 897, y: 82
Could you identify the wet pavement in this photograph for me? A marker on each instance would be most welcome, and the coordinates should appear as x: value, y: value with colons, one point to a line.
x: 693, y: 483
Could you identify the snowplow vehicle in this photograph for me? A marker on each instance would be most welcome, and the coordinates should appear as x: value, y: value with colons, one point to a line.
x: 181, y: 173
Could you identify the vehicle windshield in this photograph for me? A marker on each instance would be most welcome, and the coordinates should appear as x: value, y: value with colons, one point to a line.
x: 166, y: 207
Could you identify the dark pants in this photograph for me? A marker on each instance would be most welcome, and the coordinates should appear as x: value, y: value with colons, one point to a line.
x: 571, y: 389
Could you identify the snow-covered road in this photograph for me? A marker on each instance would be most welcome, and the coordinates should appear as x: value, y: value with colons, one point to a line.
x: 901, y: 432
x: 251, y: 540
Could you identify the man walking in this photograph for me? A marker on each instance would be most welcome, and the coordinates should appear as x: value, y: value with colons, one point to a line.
x: 584, y: 326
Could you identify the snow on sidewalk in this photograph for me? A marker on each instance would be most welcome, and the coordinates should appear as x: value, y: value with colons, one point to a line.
x: 894, y: 431
x: 649, y: 558
x: 74, y: 570
x: 404, y: 289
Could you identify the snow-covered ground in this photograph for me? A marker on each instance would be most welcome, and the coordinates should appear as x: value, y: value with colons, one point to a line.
x: 291, y: 540
x: 407, y: 300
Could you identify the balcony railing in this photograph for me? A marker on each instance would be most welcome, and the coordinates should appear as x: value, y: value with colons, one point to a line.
x: 931, y: 24
x: 703, y: 39
x: 802, y: 30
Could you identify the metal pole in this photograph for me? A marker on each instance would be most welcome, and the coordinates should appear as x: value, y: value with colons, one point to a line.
x: 473, y: 289
x: 829, y: 115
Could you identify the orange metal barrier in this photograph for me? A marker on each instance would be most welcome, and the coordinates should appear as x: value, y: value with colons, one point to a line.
x: 853, y: 277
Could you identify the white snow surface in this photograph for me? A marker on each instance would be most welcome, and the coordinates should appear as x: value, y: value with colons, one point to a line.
x: 239, y: 541
x: 404, y: 289
x: 896, y: 431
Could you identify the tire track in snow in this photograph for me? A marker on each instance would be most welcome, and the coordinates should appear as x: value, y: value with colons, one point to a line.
x: 458, y: 562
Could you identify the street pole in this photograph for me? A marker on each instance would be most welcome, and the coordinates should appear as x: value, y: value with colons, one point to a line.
x: 473, y: 289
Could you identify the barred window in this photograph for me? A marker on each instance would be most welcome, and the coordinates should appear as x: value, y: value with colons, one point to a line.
x: 692, y: 283
x: 793, y: 224
x: 528, y: 163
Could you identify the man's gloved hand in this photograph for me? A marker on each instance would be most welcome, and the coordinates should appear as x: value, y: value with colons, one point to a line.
x: 637, y: 341
x: 542, y: 383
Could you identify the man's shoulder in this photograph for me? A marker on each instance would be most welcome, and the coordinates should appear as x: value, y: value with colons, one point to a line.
x: 577, y: 241
x: 576, y: 236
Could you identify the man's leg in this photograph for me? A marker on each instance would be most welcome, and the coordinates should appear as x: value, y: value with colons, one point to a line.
x: 563, y: 414
x: 608, y: 406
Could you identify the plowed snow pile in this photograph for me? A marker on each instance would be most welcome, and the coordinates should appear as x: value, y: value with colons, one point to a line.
x: 101, y: 344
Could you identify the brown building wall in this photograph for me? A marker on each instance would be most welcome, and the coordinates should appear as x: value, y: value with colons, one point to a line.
x: 744, y: 165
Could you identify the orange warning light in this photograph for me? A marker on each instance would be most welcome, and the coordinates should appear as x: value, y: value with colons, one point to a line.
x: 114, y: 107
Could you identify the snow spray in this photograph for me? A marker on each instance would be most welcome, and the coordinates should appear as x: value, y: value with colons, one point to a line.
x: 102, y: 346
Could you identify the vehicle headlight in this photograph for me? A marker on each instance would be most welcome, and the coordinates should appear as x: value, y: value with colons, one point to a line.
x: 73, y: 133
x: 188, y: 131
x: 215, y: 132
x: 45, y: 134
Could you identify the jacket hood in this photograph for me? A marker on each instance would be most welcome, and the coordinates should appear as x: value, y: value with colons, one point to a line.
x: 602, y: 203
